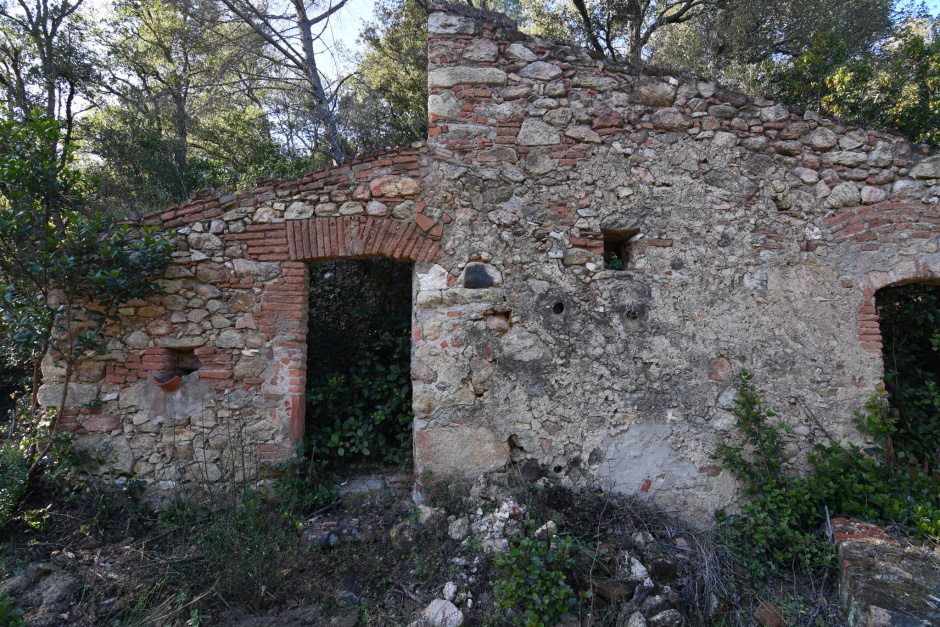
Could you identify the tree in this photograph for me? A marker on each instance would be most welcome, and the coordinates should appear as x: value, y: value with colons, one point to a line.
x: 731, y: 42
x: 289, y: 31
x: 386, y: 101
x: 181, y: 110
x: 44, y: 61
x: 898, y: 87
x: 619, y: 29
x: 62, y: 273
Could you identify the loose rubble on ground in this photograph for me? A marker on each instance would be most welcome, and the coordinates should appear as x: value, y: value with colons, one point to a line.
x: 376, y: 558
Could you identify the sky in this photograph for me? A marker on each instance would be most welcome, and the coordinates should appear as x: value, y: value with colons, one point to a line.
x: 341, y: 33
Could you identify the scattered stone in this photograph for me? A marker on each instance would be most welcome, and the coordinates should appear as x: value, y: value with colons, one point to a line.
x: 671, y: 618
x: 459, y: 529
x: 450, y: 591
x: 441, y: 613
x: 431, y: 516
x: 547, y: 530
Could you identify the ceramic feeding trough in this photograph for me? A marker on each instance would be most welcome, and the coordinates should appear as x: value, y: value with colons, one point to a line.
x: 168, y: 385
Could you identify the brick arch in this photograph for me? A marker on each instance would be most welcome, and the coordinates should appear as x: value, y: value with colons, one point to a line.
x: 872, y: 226
x: 323, y: 239
x: 869, y: 330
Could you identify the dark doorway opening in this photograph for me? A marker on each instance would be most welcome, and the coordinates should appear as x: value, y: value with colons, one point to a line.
x: 910, y: 331
x: 359, y: 363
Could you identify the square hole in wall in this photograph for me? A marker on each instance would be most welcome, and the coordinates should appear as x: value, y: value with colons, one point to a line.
x: 617, y: 247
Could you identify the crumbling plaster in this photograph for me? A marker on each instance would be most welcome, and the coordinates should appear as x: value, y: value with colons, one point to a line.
x: 761, y: 236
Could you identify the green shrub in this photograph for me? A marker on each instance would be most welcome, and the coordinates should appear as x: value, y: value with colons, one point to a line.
x: 14, y: 479
x: 782, y: 513
x: 365, y: 412
x: 9, y: 617
x: 533, y: 580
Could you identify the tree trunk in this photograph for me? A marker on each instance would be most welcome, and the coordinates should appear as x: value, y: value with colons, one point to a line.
x: 313, y: 77
x: 636, y: 41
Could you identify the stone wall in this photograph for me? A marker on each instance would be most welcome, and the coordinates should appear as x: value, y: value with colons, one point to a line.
x: 754, y: 237
x: 759, y: 237
x: 231, y: 320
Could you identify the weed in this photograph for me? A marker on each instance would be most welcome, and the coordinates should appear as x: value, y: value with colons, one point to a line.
x: 533, y: 580
x: 244, y: 548
x: 14, y: 478
x: 782, y: 512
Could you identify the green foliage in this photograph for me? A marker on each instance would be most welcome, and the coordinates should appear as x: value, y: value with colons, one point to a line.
x: 14, y: 479
x: 244, y: 547
x: 779, y: 524
x: 779, y: 513
x: 910, y: 330
x: 533, y: 580
x: 735, y: 39
x: 299, y: 486
x: 386, y: 104
x: 612, y: 261
x: 9, y: 616
x: 62, y: 273
x: 896, y: 88
x: 370, y: 407
x: 359, y: 381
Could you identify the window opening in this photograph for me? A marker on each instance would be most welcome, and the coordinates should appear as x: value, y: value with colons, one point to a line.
x: 617, y: 248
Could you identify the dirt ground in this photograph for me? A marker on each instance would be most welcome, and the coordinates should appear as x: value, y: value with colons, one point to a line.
x: 373, y: 558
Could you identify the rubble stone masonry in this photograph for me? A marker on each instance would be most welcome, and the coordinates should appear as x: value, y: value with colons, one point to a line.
x: 753, y: 237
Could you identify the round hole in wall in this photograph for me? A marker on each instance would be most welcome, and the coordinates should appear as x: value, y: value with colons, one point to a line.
x: 558, y: 308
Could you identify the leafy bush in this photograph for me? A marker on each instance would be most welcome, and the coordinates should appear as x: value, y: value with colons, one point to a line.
x: 9, y: 617
x: 14, y: 478
x: 366, y: 412
x: 898, y: 88
x: 782, y: 513
x: 533, y: 580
